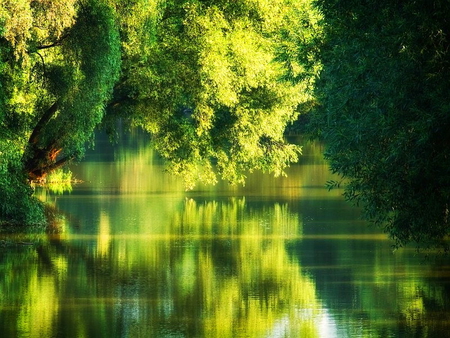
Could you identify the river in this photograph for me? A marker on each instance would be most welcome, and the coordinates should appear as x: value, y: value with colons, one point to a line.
x: 138, y: 256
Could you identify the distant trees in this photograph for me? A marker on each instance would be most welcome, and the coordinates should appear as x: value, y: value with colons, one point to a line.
x: 385, y: 111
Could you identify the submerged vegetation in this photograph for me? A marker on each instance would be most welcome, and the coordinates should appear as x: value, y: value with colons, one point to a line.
x: 217, y: 83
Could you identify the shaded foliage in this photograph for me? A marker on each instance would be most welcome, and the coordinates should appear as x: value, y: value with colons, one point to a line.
x: 385, y: 113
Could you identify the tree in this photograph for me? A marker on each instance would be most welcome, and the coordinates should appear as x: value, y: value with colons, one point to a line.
x: 58, y: 70
x: 210, y: 87
x: 384, y: 112
x: 210, y: 80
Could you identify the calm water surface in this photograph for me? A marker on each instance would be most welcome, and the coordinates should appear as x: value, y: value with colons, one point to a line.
x: 140, y: 257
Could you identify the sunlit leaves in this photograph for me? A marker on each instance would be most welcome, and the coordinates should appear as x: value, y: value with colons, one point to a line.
x: 207, y: 79
x: 29, y: 24
x: 137, y: 20
x: 60, y: 61
x: 16, y: 17
x: 52, y: 19
x: 212, y: 91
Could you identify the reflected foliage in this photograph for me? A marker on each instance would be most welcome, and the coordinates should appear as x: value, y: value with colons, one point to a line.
x: 239, y: 282
x: 144, y: 258
x: 372, y: 293
x: 217, y: 269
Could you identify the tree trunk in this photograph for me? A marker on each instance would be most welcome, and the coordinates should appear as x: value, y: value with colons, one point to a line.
x: 43, y: 162
x: 39, y: 158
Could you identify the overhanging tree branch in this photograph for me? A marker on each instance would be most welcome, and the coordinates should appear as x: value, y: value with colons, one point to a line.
x: 55, y: 44
x: 58, y: 164
x: 43, y: 122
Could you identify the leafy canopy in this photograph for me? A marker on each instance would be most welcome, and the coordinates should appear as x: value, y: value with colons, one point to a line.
x: 385, y: 113
x: 59, y: 63
x: 214, y: 82
x: 212, y: 87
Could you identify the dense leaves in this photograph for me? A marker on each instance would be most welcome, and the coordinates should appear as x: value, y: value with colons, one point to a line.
x: 59, y: 63
x: 210, y: 88
x: 385, y: 113
x: 214, y: 82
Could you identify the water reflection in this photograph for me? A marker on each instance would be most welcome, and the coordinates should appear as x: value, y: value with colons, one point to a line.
x: 220, y: 269
x: 140, y: 257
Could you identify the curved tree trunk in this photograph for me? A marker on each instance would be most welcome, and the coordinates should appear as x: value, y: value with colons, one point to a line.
x: 39, y: 158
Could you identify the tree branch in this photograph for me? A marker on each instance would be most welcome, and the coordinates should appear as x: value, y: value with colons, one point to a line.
x: 54, y: 44
x: 58, y: 164
x: 43, y: 62
x: 43, y: 122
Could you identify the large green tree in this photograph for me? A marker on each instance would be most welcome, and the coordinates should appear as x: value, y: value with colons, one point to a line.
x: 385, y: 112
x: 214, y: 82
x: 216, y: 85
x: 59, y: 62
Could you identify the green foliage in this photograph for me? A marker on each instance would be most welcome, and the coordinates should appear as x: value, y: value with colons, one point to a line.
x: 215, y: 82
x: 218, y: 82
x: 92, y: 61
x: 27, y: 23
x: 211, y: 88
x: 59, y: 181
x: 384, y: 112
x: 59, y: 62
x: 17, y: 206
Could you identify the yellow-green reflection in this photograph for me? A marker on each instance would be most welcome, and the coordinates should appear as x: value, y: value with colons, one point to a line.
x: 228, y: 264
x: 57, y: 182
x: 220, y: 270
x: 140, y: 257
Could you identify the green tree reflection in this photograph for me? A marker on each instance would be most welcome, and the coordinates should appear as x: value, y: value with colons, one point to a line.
x: 146, y: 263
x: 220, y: 270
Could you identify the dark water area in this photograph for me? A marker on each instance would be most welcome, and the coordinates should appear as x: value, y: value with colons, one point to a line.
x: 281, y: 257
